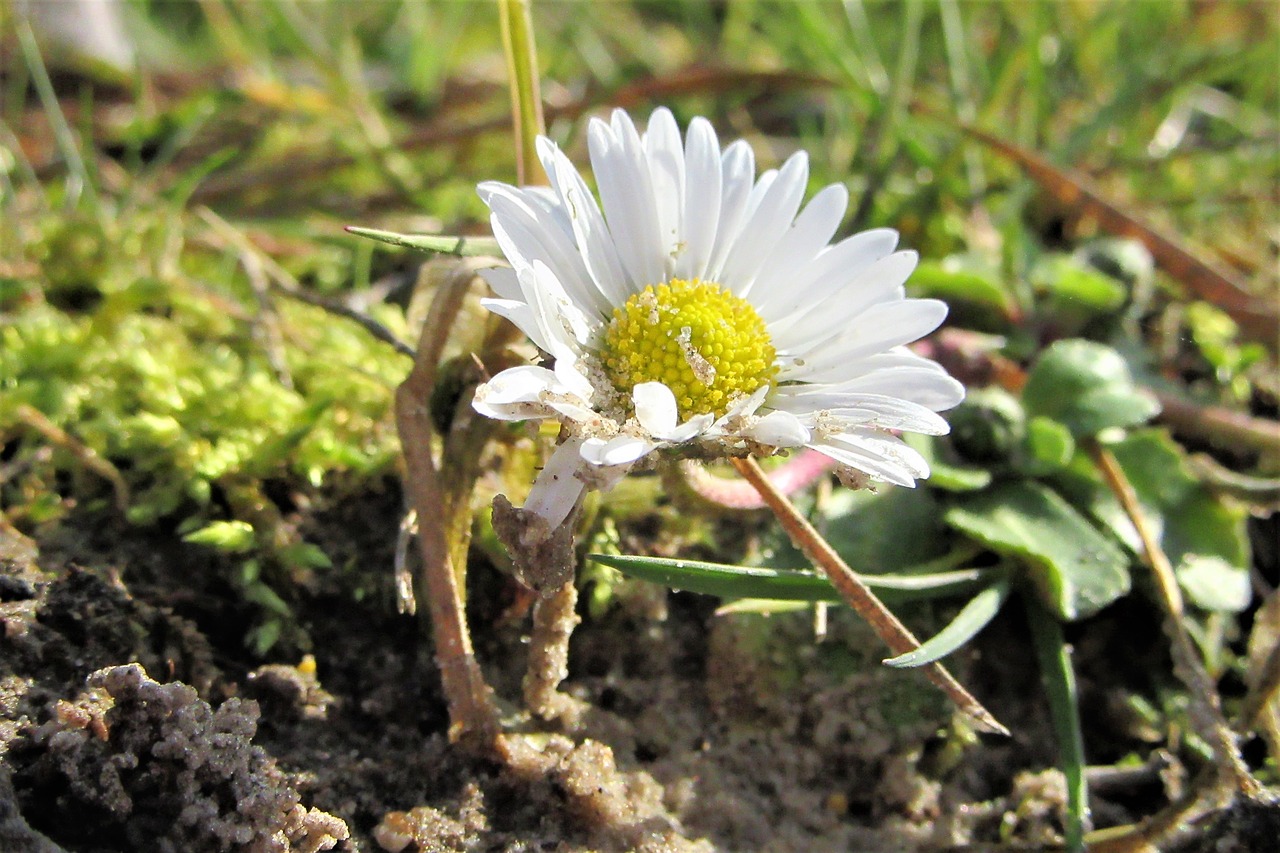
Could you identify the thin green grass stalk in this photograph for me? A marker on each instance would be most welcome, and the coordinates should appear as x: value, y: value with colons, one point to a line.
x: 1059, y: 680
x: 962, y: 89
x: 901, y: 88
x: 522, y: 74
x: 865, y: 47
x: 68, y: 145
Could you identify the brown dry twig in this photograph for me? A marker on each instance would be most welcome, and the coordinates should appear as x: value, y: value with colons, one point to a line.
x: 851, y: 588
x: 1209, y: 720
x: 85, y: 455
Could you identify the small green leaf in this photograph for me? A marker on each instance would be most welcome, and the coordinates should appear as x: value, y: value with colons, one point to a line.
x: 305, y: 555
x: 971, y: 619
x: 1075, y: 294
x: 1087, y: 387
x: 231, y: 536
x: 1214, y: 584
x: 971, y: 286
x: 1047, y: 447
x: 267, y: 598
x: 435, y: 243
x: 728, y: 581
x: 1075, y: 569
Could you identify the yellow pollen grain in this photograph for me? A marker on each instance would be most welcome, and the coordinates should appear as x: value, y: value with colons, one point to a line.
x: 705, y: 344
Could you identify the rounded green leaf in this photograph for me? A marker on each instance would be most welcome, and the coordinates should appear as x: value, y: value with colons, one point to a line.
x: 1087, y: 387
x: 1074, y: 568
x: 1047, y: 447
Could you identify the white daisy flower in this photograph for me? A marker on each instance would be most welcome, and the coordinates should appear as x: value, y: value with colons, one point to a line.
x: 698, y: 307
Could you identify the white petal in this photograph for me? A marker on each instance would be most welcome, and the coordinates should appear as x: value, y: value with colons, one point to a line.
x: 882, y: 412
x: 689, y: 430
x: 808, y: 235
x: 626, y: 194
x: 622, y: 450
x: 563, y: 321
x: 595, y: 243
x: 833, y: 269
x: 779, y: 429
x: 515, y: 394
x: 665, y: 155
x: 774, y: 213
x: 880, y: 328
x: 878, y: 460
x: 522, y: 316
x: 874, y: 285
x: 655, y: 408
x: 701, y: 200
x: 503, y: 281
x: 557, y: 490
x: 737, y: 172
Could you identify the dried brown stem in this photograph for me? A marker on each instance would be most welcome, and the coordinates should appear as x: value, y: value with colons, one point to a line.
x: 472, y: 713
x: 856, y: 594
x: 1186, y: 662
x: 85, y: 455
x: 1221, y: 426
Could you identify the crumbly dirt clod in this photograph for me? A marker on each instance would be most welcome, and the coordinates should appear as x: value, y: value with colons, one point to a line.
x: 167, y: 772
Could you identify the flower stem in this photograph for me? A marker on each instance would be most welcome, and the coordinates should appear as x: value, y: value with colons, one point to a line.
x: 554, y: 618
x: 856, y: 594
x: 1186, y: 662
x: 472, y: 714
x: 522, y: 76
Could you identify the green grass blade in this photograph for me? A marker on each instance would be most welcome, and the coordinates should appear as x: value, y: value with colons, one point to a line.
x: 971, y: 619
x: 522, y: 72
x: 1059, y: 681
x: 68, y: 144
x: 728, y: 581
x: 436, y: 243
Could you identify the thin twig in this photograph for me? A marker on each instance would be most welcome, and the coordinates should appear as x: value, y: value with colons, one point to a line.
x: 86, y: 455
x: 286, y: 283
x: 1187, y: 665
x: 851, y: 588
x: 1219, y: 425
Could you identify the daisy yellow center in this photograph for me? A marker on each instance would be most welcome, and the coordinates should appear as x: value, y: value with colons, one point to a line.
x: 705, y: 344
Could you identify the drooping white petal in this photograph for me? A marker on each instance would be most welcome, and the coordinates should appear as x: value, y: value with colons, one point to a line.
x: 883, y: 457
x: 779, y: 429
x: 875, y: 285
x: 557, y: 490
x: 515, y: 394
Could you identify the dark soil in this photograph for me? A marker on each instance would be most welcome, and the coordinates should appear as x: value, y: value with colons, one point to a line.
x: 133, y: 719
